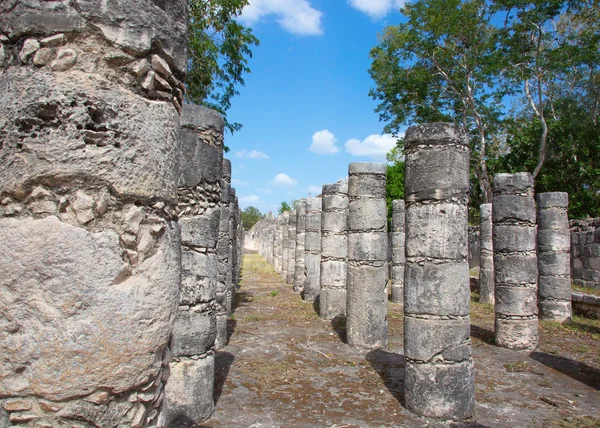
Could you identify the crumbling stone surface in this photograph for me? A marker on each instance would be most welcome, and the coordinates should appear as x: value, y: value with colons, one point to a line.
x: 334, y: 250
x: 585, y: 252
x: 291, y: 268
x: 299, y: 270
x: 515, y: 261
x: 312, y: 250
x: 439, y: 374
x: 224, y: 254
x: 366, y: 303
x: 91, y: 256
x: 486, y: 258
x: 397, y: 242
x: 554, y: 256
x: 285, y: 245
x: 195, y: 329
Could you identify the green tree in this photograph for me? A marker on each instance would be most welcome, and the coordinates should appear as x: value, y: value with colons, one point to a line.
x: 284, y: 207
x: 250, y: 216
x: 442, y: 65
x: 219, y: 50
x: 394, y: 188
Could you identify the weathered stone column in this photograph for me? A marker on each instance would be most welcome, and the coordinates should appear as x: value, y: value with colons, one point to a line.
x: 334, y: 250
x: 397, y: 243
x: 278, y: 243
x: 299, y: 273
x: 190, y: 389
x: 90, y: 261
x: 486, y: 258
x: 554, y: 256
x: 366, y: 295
x: 291, y: 248
x: 312, y: 250
x: 515, y: 261
x: 224, y: 255
x: 232, y: 274
x: 285, y: 245
x: 439, y: 375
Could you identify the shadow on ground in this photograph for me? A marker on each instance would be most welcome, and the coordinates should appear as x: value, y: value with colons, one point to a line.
x: 339, y: 326
x: 574, y: 369
x: 482, y: 334
x: 223, y: 362
x: 390, y: 368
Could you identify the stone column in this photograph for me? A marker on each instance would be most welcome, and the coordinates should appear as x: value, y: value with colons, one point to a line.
x: 397, y: 244
x: 299, y: 274
x: 90, y: 262
x: 334, y: 250
x: 486, y: 258
x: 439, y: 375
x: 554, y: 256
x: 366, y: 296
x: 224, y: 255
x: 515, y: 261
x: 312, y: 250
x: 232, y: 275
x: 285, y: 245
x: 190, y: 389
x: 291, y: 248
x: 278, y: 243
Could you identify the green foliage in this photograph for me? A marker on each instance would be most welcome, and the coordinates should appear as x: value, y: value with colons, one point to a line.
x: 284, y: 207
x: 394, y: 188
x: 458, y: 60
x: 219, y: 50
x: 250, y: 216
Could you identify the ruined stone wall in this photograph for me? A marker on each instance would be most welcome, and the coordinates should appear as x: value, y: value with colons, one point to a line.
x: 90, y: 263
x: 299, y: 271
x: 585, y: 252
x: 190, y: 390
x: 474, y: 247
x: 312, y: 250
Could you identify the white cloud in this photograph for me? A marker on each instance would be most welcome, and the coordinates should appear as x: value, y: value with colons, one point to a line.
x: 374, y: 146
x: 283, y: 180
x: 376, y: 9
x: 295, y: 16
x: 250, y: 199
x: 315, y: 190
x: 323, y: 143
x: 252, y: 154
x: 238, y: 182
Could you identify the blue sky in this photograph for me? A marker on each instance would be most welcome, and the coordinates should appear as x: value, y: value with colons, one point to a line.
x: 305, y: 107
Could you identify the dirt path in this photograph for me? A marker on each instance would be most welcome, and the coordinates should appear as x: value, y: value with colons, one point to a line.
x: 284, y: 367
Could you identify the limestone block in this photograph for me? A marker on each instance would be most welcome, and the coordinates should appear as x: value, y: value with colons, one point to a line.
x: 189, y: 392
x: 445, y: 235
x: 511, y: 208
x: 333, y: 273
x: 515, y: 268
x: 554, y: 263
x: 334, y: 221
x: 552, y: 200
x: 367, y: 214
x: 518, y: 334
x: 193, y: 333
x: 555, y: 287
x: 334, y: 246
x: 516, y: 301
x: 514, y: 184
x: 437, y: 288
x: 514, y: 238
x: 90, y: 321
x: 367, y: 246
x: 556, y: 310
x: 440, y: 339
x: 153, y: 23
x: 553, y: 219
x: 371, y: 181
x: 439, y: 390
x: 139, y: 163
x: 332, y: 303
x: 554, y: 240
x: 198, y: 277
x: 312, y: 241
x: 366, y: 298
x: 335, y: 201
x: 198, y: 161
x: 201, y: 231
